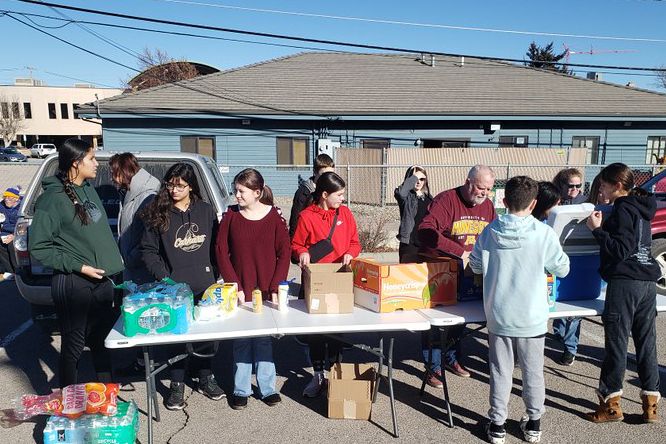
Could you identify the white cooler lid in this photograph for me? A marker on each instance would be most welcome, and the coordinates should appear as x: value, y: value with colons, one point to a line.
x: 569, y: 222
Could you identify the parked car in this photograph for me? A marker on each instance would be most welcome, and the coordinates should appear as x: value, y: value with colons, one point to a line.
x: 42, y: 150
x: 11, y: 154
x: 34, y: 279
x: 657, y: 185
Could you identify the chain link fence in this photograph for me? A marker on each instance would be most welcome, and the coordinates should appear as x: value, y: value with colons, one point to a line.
x: 12, y: 174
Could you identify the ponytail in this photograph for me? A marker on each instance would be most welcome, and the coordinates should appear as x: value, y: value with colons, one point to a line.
x: 266, y: 197
x: 79, y: 210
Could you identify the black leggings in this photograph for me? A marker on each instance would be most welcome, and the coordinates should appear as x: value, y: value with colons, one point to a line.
x: 317, y: 344
x: 86, y: 313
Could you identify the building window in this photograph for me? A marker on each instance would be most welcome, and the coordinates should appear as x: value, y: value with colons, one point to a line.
x: 16, y: 110
x: 4, y: 110
x: 445, y: 143
x: 292, y: 150
x: 27, y: 110
x: 52, y: 111
x: 204, y: 145
x: 592, y: 145
x: 75, y: 106
x: 656, y: 149
x: 511, y: 141
x: 64, y: 111
x: 375, y: 144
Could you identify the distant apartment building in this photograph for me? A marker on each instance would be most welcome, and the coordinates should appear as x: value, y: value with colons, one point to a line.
x: 47, y: 112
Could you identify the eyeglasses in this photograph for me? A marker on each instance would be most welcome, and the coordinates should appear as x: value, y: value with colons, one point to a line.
x: 178, y: 187
x: 574, y: 185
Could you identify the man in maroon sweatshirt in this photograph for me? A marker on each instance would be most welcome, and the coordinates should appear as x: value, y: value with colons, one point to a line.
x: 454, y: 220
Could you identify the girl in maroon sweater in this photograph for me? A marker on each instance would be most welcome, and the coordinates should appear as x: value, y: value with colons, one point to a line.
x: 314, y: 224
x: 253, y: 251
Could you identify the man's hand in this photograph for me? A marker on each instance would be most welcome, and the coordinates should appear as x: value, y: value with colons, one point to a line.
x: 594, y: 221
x: 304, y: 260
x: 465, y: 258
x: 8, y: 239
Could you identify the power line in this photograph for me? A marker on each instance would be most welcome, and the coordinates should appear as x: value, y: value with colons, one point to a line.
x: 404, y: 23
x: 321, y: 41
x: 181, y: 84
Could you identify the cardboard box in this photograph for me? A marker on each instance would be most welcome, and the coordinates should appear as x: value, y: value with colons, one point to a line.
x: 470, y: 288
x: 350, y: 389
x: 390, y: 287
x: 329, y: 288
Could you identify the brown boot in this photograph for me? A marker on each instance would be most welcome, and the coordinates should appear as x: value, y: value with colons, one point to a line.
x: 650, y: 401
x: 609, y: 409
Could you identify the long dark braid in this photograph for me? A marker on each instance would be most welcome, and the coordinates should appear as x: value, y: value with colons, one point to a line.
x: 73, y: 150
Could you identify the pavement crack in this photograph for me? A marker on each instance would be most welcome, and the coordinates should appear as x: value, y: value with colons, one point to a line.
x: 187, y: 420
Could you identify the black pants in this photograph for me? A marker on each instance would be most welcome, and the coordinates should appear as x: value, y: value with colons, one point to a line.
x: 630, y: 307
x: 201, y: 366
x: 7, y: 260
x: 86, y: 313
x: 317, y: 344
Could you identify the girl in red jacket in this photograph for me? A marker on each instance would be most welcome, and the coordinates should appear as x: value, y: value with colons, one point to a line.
x: 314, y: 224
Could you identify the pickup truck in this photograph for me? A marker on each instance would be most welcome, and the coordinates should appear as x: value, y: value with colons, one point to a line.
x: 657, y: 185
x: 34, y: 279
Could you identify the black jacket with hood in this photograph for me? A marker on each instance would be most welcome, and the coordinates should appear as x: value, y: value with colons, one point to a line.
x: 625, y: 240
x: 184, y: 252
x: 408, y: 204
x: 301, y: 196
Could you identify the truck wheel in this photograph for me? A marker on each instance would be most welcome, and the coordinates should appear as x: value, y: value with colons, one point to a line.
x: 659, y: 254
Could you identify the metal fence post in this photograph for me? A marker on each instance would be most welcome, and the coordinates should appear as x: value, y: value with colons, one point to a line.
x: 508, y: 172
x: 349, y: 186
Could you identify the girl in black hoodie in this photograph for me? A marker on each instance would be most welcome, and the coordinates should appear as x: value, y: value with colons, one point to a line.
x: 627, y: 265
x: 178, y: 244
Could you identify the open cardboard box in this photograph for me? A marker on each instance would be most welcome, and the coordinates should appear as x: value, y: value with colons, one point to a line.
x: 350, y: 389
x: 329, y: 288
x: 389, y: 287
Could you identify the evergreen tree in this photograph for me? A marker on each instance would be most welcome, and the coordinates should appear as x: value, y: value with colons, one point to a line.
x: 538, y: 55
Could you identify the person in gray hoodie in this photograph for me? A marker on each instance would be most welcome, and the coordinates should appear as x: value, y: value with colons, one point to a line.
x: 514, y: 253
x: 139, y: 187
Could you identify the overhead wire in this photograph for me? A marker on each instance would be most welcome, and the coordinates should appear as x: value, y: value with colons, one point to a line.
x: 323, y: 41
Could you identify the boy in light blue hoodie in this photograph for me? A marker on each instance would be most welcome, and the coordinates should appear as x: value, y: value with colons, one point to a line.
x: 514, y: 253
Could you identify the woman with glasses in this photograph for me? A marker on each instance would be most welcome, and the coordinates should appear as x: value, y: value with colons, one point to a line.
x: 567, y: 330
x: 413, y: 197
x: 178, y: 243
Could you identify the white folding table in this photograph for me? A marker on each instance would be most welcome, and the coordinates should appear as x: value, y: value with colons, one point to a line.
x: 296, y: 320
x: 244, y: 323
x: 471, y: 312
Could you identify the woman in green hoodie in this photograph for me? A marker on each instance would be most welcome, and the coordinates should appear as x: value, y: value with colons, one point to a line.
x: 70, y: 233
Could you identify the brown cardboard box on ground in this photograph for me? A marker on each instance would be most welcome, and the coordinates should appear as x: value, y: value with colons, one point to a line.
x: 329, y: 288
x: 350, y: 389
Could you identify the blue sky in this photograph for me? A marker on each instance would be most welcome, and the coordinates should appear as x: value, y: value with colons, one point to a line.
x: 613, y: 18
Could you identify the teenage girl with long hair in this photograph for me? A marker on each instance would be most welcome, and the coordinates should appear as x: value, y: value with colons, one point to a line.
x: 253, y: 251
x: 314, y: 224
x: 625, y: 243
x: 178, y: 244
x: 70, y: 233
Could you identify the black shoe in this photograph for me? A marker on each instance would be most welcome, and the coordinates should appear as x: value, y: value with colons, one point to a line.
x: 239, y: 402
x: 208, y: 387
x: 176, y: 400
x: 567, y: 358
x: 272, y: 400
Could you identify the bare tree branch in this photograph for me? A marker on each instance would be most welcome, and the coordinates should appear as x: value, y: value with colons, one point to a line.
x: 159, y: 68
x: 11, y: 120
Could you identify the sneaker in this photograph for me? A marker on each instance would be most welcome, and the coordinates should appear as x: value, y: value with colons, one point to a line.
x: 434, y: 381
x: 176, y: 400
x: 496, y: 433
x: 239, y: 402
x: 531, y: 429
x: 208, y: 387
x: 8, y: 277
x: 567, y: 358
x: 317, y: 384
x: 457, y: 369
x: 272, y: 400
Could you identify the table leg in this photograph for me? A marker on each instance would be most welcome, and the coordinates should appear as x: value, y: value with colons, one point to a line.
x: 390, y: 384
x: 444, y: 331
x: 156, y: 405
x: 149, y: 392
x: 428, y: 364
x: 380, y: 368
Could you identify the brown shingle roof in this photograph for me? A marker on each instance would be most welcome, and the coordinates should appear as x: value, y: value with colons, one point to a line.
x: 339, y: 84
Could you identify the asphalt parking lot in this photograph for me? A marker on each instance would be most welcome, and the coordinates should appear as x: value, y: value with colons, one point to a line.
x: 28, y: 362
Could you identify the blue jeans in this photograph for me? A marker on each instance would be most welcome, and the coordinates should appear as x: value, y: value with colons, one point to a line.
x: 455, y: 333
x: 630, y: 307
x: 567, y: 331
x: 254, y: 353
